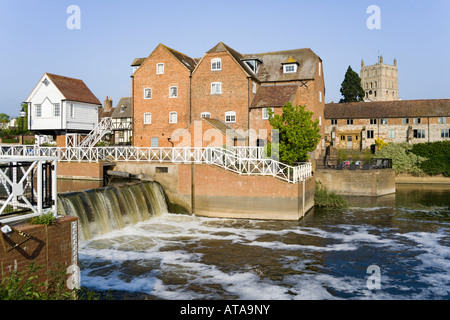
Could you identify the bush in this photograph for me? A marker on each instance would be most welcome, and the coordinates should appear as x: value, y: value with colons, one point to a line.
x: 324, y: 198
x: 403, y: 159
x: 437, y: 156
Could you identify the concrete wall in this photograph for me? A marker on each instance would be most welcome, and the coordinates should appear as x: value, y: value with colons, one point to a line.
x: 207, y: 190
x: 358, y: 182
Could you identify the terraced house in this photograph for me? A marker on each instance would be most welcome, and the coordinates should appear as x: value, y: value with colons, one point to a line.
x: 356, y: 125
x: 224, y: 90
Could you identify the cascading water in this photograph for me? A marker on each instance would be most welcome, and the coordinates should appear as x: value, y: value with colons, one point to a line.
x: 103, y: 210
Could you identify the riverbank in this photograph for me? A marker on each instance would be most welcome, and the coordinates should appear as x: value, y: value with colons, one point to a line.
x: 403, y: 178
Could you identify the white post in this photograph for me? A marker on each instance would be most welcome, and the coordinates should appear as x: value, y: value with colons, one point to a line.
x: 39, y: 186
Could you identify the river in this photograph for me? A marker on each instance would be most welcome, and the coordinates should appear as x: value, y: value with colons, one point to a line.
x: 391, y: 247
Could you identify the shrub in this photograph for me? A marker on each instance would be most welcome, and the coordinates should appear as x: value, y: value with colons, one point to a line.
x: 325, y: 198
x: 47, y: 219
x: 403, y: 160
x: 437, y: 156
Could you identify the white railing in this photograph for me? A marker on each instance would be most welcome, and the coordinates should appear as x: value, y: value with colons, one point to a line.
x: 243, y: 162
x: 27, y: 185
x: 103, y: 127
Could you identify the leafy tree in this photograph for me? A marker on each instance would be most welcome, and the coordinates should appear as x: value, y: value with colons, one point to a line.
x: 298, y: 133
x: 351, y: 88
x: 4, y: 119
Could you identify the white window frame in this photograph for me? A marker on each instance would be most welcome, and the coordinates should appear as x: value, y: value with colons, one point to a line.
x: 254, y: 87
x: 216, y: 88
x: 173, y: 117
x: 38, y: 110
x: 320, y: 68
x: 147, y: 118
x: 416, y: 120
x: 445, y: 133
x: 216, y: 64
x: 442, y: 120
x: 287, y: 68
x: 56, y: 110
x: 320, y: 96
x: 173, y: 92
x: 230, y: 117
x: 265, y: 113
x: 160, y: 68
x: 391, y: 134
x: 145, y: 93
x: 206, y: 115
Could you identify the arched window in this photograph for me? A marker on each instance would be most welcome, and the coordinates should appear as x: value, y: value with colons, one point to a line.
x: 173, y: 117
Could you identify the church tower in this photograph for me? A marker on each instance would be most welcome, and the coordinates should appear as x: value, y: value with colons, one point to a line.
x: 380, y: 81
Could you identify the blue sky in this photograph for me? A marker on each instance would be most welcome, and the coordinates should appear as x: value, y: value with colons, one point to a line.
x: 34, y: 39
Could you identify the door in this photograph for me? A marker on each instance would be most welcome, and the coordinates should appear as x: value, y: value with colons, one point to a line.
x: 349, y: 142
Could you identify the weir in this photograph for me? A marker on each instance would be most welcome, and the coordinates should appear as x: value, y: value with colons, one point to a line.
x: 103, y: 210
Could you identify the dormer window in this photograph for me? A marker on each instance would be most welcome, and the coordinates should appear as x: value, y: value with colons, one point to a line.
x: 290, y: 65
x: 253, y: 64
x: 290, y: 68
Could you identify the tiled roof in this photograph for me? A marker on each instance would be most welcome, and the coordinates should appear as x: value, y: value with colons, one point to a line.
x: 73, y: 89
x: 225, y: 129
x: 123, y: 108
x: 388, y: 109
x: 274, y: 96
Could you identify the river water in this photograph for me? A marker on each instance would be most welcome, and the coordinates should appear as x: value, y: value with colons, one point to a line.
x: 391, y: 247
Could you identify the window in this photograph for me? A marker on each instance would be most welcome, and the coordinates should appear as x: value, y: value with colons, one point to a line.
x: 173, y: 117
x: 147, y: 93
x: 265, y: 113
x: 369, y: 134
x: 445, y: 133
x: 383, y: 121
x: 216, y: 64
x: 333, y: 121
x: 147, y: 118
x: 349, y: 121
x: 216, y: 88
x: 230, y: 117
x: 254, y: 87
x: 320, y: 67
x: 72, y: 110
x: 206, y: 115
x: 155, y: 142
x: 46, y: 82
x: 56, y: 110
x: 173, y: 92
x: 373, y: 121
x: 442, y: 120
x: 320, y: 96
x: 290, y: 68
x: 416, y: 120
x: 253, y: 64
x: 419, y: 133
x: 405, y: 120
x: 342, y: 138
x: 391, y: 134
x: 38, y: 111
x: 160, y: 68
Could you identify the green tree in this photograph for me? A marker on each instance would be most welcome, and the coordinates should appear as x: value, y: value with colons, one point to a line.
x: 298, y: 133
x: 351, y: 88
x: 4, y: 119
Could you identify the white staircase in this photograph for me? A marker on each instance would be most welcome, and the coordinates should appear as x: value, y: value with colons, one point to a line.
x: 102, y: 128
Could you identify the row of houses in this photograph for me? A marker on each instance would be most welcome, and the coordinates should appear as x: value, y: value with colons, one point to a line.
x: 223, y: 98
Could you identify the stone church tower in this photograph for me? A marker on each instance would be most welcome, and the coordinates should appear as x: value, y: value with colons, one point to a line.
x: 380, y: 81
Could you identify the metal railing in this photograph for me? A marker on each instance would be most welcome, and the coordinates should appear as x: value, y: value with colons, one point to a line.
x: 239, y: 160
x: 27, y: 185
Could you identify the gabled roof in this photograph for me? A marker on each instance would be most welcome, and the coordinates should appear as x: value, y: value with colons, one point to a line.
x: 123, y: 108
x: 274, y: 95
x: 225, y: 129
x: 73, y: 89
x: 388, y: 109
x: 222, y: 47
x: 185, y: 60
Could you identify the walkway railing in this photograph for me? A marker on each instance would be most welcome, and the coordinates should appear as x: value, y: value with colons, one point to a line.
x: 27, y: 185
x: 239, y: 160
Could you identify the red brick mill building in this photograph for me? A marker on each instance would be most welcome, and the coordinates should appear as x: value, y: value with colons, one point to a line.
x: 223, y: 90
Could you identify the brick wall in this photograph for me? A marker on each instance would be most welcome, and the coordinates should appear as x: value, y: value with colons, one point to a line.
x: 49, y: 247
x: 160, y: 105
x: 80, y: 170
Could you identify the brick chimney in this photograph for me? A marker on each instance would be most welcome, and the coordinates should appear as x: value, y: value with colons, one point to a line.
x: 107, y: 105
